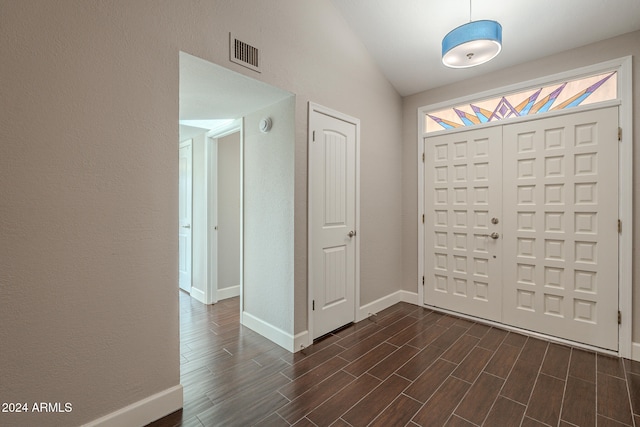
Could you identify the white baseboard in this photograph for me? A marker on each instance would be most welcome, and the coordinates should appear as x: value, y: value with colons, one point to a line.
x: 300, y: 341
x: 275, y: 334
x: 410, y: 297
x: 230, y: 292
x: 635, y: 351
x: 198, y: 295
x: 386, y: 302
x: 144, y: 411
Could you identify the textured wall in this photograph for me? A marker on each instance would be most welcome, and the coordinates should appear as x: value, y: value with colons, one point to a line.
x: 88, y: 182
x: 88, y: 208
x: 268, y: 215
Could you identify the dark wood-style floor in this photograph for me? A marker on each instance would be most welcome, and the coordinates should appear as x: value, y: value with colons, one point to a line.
x: 409, y: 366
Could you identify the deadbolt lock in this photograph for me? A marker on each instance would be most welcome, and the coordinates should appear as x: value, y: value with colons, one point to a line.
x: 494, y: 221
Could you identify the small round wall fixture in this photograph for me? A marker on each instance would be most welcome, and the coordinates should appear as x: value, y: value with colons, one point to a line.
x: 265, y: 125
x: 472, y: 44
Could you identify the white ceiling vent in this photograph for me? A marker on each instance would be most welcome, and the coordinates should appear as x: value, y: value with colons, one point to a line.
x: 243, y: 53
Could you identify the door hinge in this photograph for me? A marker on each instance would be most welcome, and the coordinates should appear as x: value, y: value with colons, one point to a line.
x: 619, y: 226
x: 313, y: 305
x: 619, y: 318
x: 422, y: 280
x: 423, y: 218
x: 313, y: 136
x: 422, y: 157
x: 619, y: 134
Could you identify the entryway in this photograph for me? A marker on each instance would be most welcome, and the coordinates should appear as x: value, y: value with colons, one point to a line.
x: 521, y: 225
x: 439, y: 368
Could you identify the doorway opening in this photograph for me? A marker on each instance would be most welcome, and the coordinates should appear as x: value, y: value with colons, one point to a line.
x: 219, y: 113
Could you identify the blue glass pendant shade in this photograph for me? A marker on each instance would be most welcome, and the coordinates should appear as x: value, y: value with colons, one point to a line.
x: 472, y: 44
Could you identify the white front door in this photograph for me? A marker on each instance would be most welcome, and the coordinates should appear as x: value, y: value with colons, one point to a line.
x: 561, y: 226
x: 463, y: 209
x: 185, y: 185
x: 332, y: 221
x: 521, y: 225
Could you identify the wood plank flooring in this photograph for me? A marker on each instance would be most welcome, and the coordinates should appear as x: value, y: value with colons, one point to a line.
x: 408, y: 367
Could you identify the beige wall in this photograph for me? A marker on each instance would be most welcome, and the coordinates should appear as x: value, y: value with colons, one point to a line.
x: 269, y: 216
x: 88, y: 181
x: 618, y: 47
x: 229, y: 211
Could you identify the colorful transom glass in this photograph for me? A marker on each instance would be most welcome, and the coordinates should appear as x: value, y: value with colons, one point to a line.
x: 583, y: 91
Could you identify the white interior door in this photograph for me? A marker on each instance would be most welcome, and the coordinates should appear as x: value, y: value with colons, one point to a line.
x: 462, y: 222
x: 332, y: 221
x: 548, y: 188
x: 185, y: 196
x: 561, y: 226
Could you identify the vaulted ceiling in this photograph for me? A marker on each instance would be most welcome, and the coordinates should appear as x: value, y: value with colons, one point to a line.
x: 404, y: 36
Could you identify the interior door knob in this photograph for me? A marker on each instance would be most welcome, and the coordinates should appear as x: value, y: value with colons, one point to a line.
x: 351, y: 233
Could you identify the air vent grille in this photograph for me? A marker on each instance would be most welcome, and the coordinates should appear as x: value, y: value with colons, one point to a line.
x: 243, y: 53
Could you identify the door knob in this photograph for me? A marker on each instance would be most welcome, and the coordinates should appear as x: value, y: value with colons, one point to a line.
x: 351, y: 234
x: 493, y: 235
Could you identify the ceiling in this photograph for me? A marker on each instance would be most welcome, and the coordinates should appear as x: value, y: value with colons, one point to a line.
x: 404, y: 36
x: 211, y: 92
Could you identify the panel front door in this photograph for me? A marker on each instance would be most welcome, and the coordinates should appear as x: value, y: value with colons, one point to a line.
x: 561, y: 226
x: 521, y: 225
x: 462, y: 222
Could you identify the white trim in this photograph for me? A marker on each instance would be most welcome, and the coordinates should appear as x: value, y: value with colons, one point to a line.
x: 211, y: 215
x: 211, y: 294
x: 241, y: 125
x: 198, y: 295
x: 283, y: 339
x: 625, y: 207
x: 229, y: 292
x: 385, y: 302
x: 635, y: 351
x: 313, y: 107
x: 409, y: 297
x: 625, y: 181
x: 143, y: 411
x: 189, y: 143
x: 421, y: 209
x: 300, y: 341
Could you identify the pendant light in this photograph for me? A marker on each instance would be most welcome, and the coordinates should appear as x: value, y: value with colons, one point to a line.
x: 472, y: 44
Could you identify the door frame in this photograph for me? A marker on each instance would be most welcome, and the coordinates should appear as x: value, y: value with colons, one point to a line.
x: 182, y: 144
x: 211, y: 214
x: 317, y: 108
x: 625, y: 181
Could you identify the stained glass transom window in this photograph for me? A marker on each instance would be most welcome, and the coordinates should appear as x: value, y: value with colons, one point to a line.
x: 583, y: 91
